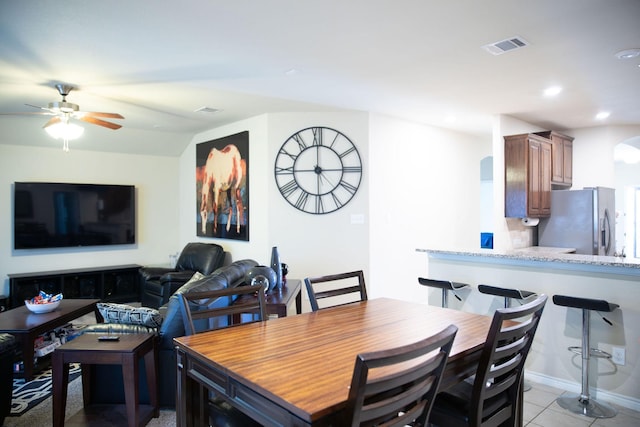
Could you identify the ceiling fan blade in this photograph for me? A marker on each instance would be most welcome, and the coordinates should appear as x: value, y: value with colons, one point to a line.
x: 28, y: 113
x: 52, y: 121
x: 99, y: 122
x: 107, y: 115
x: 38, y: 107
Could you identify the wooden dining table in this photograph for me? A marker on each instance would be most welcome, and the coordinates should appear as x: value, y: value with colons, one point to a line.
x: 296, y: 371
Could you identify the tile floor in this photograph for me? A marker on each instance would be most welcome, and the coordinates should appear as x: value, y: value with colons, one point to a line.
x: 541, y: 410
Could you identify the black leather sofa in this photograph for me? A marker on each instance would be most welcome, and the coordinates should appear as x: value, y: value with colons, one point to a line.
x: 7, y: 356
x: 159, y: 283
x: 107, y: 385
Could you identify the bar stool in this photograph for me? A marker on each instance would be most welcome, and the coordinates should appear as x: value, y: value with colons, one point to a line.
x: 583, y: 404
x: 508, y: 294
x: 446, y: 286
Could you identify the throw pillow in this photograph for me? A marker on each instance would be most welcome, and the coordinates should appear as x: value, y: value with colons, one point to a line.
x: 196, y: 276
x: 129, y: 315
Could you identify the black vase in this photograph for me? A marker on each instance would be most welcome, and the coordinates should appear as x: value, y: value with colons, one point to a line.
x: 276, y: 266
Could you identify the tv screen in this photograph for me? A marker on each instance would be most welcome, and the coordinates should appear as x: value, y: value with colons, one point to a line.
x: 59, y: 215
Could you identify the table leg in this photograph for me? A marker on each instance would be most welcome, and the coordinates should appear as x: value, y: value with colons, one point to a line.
x: 299, y: 302
x: 87, y: 380
x: 132, y: 392
x: 27, y: 356
x: 151, y: 368
x: 60, y: 380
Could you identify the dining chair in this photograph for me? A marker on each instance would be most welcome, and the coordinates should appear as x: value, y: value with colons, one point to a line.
x: 210, y: 310
x: 397, y: 386
x: 336, y: 286
x: 493, y: 396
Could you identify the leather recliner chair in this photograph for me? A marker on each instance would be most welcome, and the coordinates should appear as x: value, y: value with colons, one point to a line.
x: 159, y: 283
x: 7, y: 356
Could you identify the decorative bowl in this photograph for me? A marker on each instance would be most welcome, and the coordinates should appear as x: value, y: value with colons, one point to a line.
x: 42, y: 308
x: 261, y: 270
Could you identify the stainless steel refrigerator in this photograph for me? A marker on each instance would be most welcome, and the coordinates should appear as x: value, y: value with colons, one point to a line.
x: 581, y: 219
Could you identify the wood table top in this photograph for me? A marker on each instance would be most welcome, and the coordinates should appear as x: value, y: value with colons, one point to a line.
x: 20, y: 319
x: 304, y: 363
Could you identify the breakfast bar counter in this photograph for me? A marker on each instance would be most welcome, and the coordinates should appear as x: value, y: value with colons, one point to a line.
x: 614, y: 279
x: 541, y: 257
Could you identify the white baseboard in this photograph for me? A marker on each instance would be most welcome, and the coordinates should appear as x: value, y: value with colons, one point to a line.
x: 573, y: 387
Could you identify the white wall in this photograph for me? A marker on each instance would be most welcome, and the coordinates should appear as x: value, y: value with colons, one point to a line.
x: 425, y: 194
x: 157, y: 189
x: 310, y: 244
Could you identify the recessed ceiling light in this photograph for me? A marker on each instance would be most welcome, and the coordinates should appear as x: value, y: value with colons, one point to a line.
x: 552, y: 91
x: 628, y: 54
x: 602, y: 115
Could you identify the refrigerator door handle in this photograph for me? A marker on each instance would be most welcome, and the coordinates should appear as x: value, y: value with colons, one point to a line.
x: 606, y: 232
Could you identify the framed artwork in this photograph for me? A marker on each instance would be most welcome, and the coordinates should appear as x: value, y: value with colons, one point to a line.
x: 222, y: 187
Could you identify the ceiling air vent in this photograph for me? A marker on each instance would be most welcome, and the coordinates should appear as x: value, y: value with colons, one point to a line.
x: 498, y: 48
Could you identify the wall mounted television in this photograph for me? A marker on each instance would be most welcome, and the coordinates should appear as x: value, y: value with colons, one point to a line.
x: 62, y: 215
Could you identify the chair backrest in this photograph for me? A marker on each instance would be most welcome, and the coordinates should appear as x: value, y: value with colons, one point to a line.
x: 334, y: 286
x: 396, y: 387
x: 204, y: 310
x: 498, y: 378
x: 202, y: 257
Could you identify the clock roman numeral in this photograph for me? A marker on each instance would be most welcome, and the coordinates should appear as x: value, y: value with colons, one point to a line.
x: 289, y: 188
x: 302, y: 200
x: 284, y: 171
x: 317, y: 136
x: 301, y: 144
x: 352, y: 169
x: 286, y: 153
x: 319, y: 205
x: 349, y: 151
x: 349, y: 187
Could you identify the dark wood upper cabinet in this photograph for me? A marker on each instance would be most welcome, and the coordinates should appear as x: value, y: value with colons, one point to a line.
x: 561, y: 158
x: 528, y: 160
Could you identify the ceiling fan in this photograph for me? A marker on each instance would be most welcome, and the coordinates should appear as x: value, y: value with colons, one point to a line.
x: 59, y: 126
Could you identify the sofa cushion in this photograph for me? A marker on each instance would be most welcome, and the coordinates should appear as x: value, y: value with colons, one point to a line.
x: 129, y: 315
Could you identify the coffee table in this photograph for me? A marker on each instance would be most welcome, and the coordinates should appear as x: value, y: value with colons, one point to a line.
x: 127, y: 352
x: 27, y: 326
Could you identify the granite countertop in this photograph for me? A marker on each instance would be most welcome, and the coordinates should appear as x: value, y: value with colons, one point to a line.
x: 551, y: 255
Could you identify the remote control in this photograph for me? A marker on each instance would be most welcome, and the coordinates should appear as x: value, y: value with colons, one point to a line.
x: 108, y: 338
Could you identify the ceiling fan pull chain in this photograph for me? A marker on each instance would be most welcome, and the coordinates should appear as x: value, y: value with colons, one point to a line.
x: 65, y: 146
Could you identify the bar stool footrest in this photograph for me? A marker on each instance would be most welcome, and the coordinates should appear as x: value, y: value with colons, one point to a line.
x: 588, y: 407
x: 594, y: 352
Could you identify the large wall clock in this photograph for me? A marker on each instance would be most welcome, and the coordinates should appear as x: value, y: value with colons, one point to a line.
x: 318, y: 170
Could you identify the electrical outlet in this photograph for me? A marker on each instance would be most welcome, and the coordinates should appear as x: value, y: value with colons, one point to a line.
x: 618, y: 355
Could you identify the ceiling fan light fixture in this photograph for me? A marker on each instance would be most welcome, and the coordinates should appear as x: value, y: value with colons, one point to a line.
x: 62, y: 130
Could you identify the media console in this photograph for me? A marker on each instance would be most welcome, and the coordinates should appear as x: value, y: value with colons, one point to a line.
x: 117, y: 283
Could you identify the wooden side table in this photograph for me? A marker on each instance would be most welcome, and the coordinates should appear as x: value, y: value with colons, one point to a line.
x: 87, y: 350
x: 279, y: 299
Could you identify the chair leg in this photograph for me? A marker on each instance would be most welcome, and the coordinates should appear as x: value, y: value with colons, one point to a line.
x: 583, y: 404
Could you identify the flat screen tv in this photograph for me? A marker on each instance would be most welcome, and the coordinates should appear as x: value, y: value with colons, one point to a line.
x: 62, y: 215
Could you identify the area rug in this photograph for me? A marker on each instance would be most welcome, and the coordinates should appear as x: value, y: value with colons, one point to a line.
x: 26, y: 395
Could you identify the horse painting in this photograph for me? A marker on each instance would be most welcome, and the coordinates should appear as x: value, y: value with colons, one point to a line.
x: 223, y: 171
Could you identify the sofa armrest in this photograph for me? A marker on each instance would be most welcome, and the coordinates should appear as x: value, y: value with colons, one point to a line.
x: 179, y: 277
x: 153, y: 273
